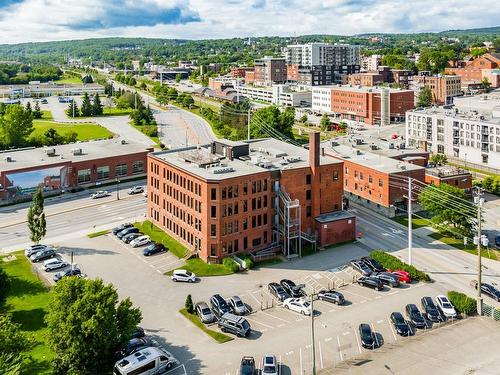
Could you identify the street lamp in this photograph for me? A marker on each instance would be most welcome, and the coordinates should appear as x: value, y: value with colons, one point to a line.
x: 117, y: 189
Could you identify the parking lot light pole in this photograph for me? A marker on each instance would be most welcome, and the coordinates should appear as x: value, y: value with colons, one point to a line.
x: 117, y: 189
x: 312, y: 336
x: 479, y: 201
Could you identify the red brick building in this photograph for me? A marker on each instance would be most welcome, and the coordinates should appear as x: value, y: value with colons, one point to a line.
x: 292, y: 72
x: 448, y: 174
x: 240, y: 72
x: 474, y: 71
x: 443, y: 87
x: 68, y: 166
x: 238, y: 197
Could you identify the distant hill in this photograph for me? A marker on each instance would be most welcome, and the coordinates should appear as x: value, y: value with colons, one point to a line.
x: 482, y: 30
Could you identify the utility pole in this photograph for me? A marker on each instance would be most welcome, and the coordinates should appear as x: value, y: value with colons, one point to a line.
x: 410, y: 227
x: 117, y: 189
x: 248, y: 124
x: 479, y: 202
x: 312, y: 336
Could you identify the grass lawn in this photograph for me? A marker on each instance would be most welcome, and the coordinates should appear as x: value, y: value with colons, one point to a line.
x: 27, y: 303
x: 47, y: 115
x: 85, y: 130
x: 158, y: 235
x: 107, y: 111
x: 66, y: 78
x: 470, y: 248
x: 202, y: 269
x: 97, y: 234
x: 416, y: 222
x: 140, y: 128
x: 217, y: 336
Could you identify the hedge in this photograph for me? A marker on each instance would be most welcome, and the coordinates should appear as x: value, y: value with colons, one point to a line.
x: 248, y: 262
x: 462, y: 302
x: 391, y: 262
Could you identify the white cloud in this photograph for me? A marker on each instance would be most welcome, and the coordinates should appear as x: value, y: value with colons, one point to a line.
x: 35, y: 20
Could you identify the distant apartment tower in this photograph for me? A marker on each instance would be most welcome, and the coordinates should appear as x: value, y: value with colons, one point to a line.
x: 313, y: 54
x: 443, y: 87
x: 269, y: 70
x: 370, y: 105
x: 370, y: 63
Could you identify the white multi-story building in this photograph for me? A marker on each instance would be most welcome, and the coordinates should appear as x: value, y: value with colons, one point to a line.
x: 370, y: 63
x: 313, y: 54
x: 460, y: 132
x: 277, y: 94
x: 322, y: 99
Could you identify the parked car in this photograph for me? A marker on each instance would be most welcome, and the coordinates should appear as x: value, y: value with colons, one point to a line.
x: 54, y: 264
x: 401, y: 326
x: 121, y: 227
x: 127, y: 231
x: 444, y: 304
x: 99, y: 194
x: 247, y: 366
x: 234, y: 324
x: 331, y: 296
x: 138, y: 333
x: 204, y: 313
x: 33, y: 249
x: 299, y: 305
x: 44, y: 101
x: 403, y: 276
x: 131, y: 236
x: 488, y: 289
x: 154, y: 248
x: 371, y: 282
x: 497, y: 241
x: 67, y: 273
x: 388, y: 278
x: 373, y: 264
x: 136, y: 190
x: 237, y: 305
x: 183, y: 275
x: 269, y: 365
x: 367, y: 336
x: 134, y: 345
x: 42, y: 255
x: 219, y: 305
x: 292, y: 289
x: 431, y: 311
x: 415, y: 316
x: 361, y: 267
x: 140, y: 241
x: 277, y: 291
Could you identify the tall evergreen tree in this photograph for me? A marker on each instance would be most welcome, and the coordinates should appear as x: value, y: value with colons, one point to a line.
x: 28, y: 108
x: 424, y: 98
x: 73, y: 110
x: 86, y: 108
x: 37, y: 113
x: 36, y: 217
x: 97, y: 106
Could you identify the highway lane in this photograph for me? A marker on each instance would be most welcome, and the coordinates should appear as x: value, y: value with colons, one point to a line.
x: 77, y: 222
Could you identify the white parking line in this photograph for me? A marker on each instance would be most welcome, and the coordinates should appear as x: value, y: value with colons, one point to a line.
x: 380, y: 321
x: 320, y: 355
x: 300, y: 358
x: 257, y: 322
x: 340, y: 350
x: 356, y: 294
x: 328, y: 339
x: 359, y: 344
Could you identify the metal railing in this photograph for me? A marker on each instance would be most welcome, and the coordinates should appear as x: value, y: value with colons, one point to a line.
x: 491, y: 311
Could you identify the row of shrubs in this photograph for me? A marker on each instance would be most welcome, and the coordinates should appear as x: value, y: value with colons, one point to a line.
x: 462, y: 302
x: 391, y: 262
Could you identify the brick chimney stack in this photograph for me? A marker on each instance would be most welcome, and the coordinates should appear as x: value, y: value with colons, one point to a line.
x: 314, y: 143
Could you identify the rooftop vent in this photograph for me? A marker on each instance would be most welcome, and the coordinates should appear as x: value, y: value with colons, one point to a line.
x: 293, y: 159
x: 9, y: 159
x: 50, y: 151
x: 221, y: 170
x: 76, y: 151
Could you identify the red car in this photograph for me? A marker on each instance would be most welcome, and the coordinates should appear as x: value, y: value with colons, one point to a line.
x: 403, y: 276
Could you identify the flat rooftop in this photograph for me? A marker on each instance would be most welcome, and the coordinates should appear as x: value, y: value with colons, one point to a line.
x: 377, y: 162
x: 38, y: 157
x: 463, y: 113
x: 446, y: 171
x: 362, y: 89
x: 333, y: 216
x: 264, y: 155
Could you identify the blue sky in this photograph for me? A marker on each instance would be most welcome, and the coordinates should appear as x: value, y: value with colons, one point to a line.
x: 39, y: 20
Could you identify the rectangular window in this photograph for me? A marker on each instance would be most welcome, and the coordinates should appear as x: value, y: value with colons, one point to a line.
x: 230, y: 192
x: 265, y: 219
x: 245, y: 188
x: 308, y: 179
x: 213, y: 194
x: 254, y: 187
x: 308, y: 211
x: 254, y: 203
x: 245, y: 224
x: 138, y: 167
x: 245, y: 243
x: 213, y: 212
x: 245, y: 206
x: 102, y: 172
x: 121, y: 170
x: 370, y: 179
x: 254, y: 222
x: 83, y: 175
x: 265, y: 185
x: 236, y: 208
x: 336, y: 175
x: 308, y: 194
x: 224, y: 193
x: 256, y: 241
x: 213, y: 230
x: 380, y: 182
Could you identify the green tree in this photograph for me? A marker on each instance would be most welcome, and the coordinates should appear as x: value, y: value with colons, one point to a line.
x: 52, y: 137
x: 439, y: 159
x: 478, y: 51
x: 37, y: 113
x: 325, y: 122
x: 4, y: 285
x: 87, y: 79
x: 71, y: 137
x: 87, y: 324
x: 270, y: 121
x: 86, y: 108
x: 424, y: 97
x: 13, y: 344
x: 178, y: 77
x: 36, y: 217
x: 303, y: 119
x: 187, y: 101
x: 441, y: 202
x: 96, y: 106
x: 28, y: 108
x: 73, y: 110
x: 485, y: 83
x: 15, y: 126
x: 143, y: 86
x: 189, y: 304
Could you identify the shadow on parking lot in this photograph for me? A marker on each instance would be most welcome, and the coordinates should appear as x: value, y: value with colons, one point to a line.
x: 254, y: 335
x: 79, y: 251
x: 181, y: 353
x: 285, y: 370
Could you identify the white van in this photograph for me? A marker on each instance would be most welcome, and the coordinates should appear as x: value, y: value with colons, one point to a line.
x: 147, y: 361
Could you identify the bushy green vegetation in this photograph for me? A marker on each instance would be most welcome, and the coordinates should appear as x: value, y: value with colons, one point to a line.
x: 98, y: 234
x: 463, y: 304
x: 202, y: 269
x: 391, y: 262
x: 158, y: 235
x: 20, y: 73
x: 217, y: 336
x: 490, y: 184
x: 231, y: 264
